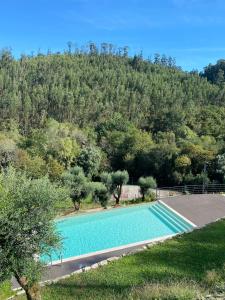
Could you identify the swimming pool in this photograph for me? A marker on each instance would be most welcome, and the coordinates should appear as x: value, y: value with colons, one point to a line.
x: 115, y: 228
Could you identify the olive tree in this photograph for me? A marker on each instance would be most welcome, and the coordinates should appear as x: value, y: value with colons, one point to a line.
x: 114, y: 182
x: 78, y: 185
x: 100, y: 193
x: 146, y: 183
x: 27, y: 229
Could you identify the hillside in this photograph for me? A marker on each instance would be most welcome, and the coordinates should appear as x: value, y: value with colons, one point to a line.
x: 88, y: 88
x: 149, y: 117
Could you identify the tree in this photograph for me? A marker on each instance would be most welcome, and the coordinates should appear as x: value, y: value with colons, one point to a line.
x: 146, y: 183
x: 7, y: 151
x: 78, y: 185
x: 89, y: 160
x: 221, y: 165
x: 27, y: 230
x: 35, y: 167
x: 100, y: 193
x: 106, y: 178
x: 114, y: 182
x: 182, y: 163
x: 55, y: 169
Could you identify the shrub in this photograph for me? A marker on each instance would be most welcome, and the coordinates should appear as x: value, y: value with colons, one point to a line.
x: 146, y: 184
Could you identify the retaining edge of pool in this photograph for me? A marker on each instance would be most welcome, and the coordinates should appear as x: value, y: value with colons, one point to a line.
x: 142, y: 243
x: 177, y: 213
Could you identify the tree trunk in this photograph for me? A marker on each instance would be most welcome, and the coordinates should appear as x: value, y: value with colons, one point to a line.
x: 33, y: 292
x: 118, y: 195
x: 76, y: 206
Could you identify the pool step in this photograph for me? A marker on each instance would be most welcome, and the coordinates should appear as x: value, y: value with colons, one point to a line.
x: 166, y: 220
x: 180, y: 225
x: 178, y: 219
x: 169, y: 218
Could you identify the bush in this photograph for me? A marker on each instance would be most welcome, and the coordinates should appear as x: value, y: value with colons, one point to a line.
x: 146, y: 184
x: 100, y: 193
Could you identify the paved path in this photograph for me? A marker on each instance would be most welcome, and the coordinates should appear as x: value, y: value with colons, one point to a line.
x: 65, y: 268
x: 199, y: 209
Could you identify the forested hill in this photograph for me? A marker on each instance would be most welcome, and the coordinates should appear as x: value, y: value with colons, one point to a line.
x: 87, y: 88
x: 148, y: 117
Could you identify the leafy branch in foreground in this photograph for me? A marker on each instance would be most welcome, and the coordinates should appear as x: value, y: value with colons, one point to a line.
x: 27, y: 229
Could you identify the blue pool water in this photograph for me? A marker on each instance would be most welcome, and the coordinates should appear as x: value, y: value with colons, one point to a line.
x: 100, y: 231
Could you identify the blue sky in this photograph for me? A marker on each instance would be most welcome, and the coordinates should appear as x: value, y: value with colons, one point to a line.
x: 192, y: 31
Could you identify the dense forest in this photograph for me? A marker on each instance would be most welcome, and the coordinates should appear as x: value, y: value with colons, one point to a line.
x: 103, y: 110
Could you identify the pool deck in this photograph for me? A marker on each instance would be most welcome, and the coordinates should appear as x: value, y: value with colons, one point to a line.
x: 199, y: 209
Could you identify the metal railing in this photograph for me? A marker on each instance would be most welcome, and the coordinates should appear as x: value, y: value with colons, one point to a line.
x: 212, y: 188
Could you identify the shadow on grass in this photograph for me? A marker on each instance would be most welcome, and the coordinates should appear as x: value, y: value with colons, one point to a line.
x: 88, y: 290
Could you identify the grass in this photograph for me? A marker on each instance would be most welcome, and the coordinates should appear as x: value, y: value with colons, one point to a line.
x: 181, y: 268
x: 5, y: 290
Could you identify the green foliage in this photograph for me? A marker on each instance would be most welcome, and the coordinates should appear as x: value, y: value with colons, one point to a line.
x: 221, y: 165
x: 198, y: 179
x: 215, y: 73
x: 83, y: 88
x: 7, y: 150
x: 182, y: 162
x: 106, y: 178
x: 55, y: 169
x: 26, y: 213
x: 146, y: 184
x: 78, y: 185
x: 100, y: 193
x: 6, y: 290
x: 119, y: 178
x: 89, y: 160
x: 105, y: 111
x: 114, y: 182
x: 35, y: 167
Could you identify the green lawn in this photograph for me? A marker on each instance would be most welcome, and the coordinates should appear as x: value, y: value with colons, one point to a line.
x: 180, y: 269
